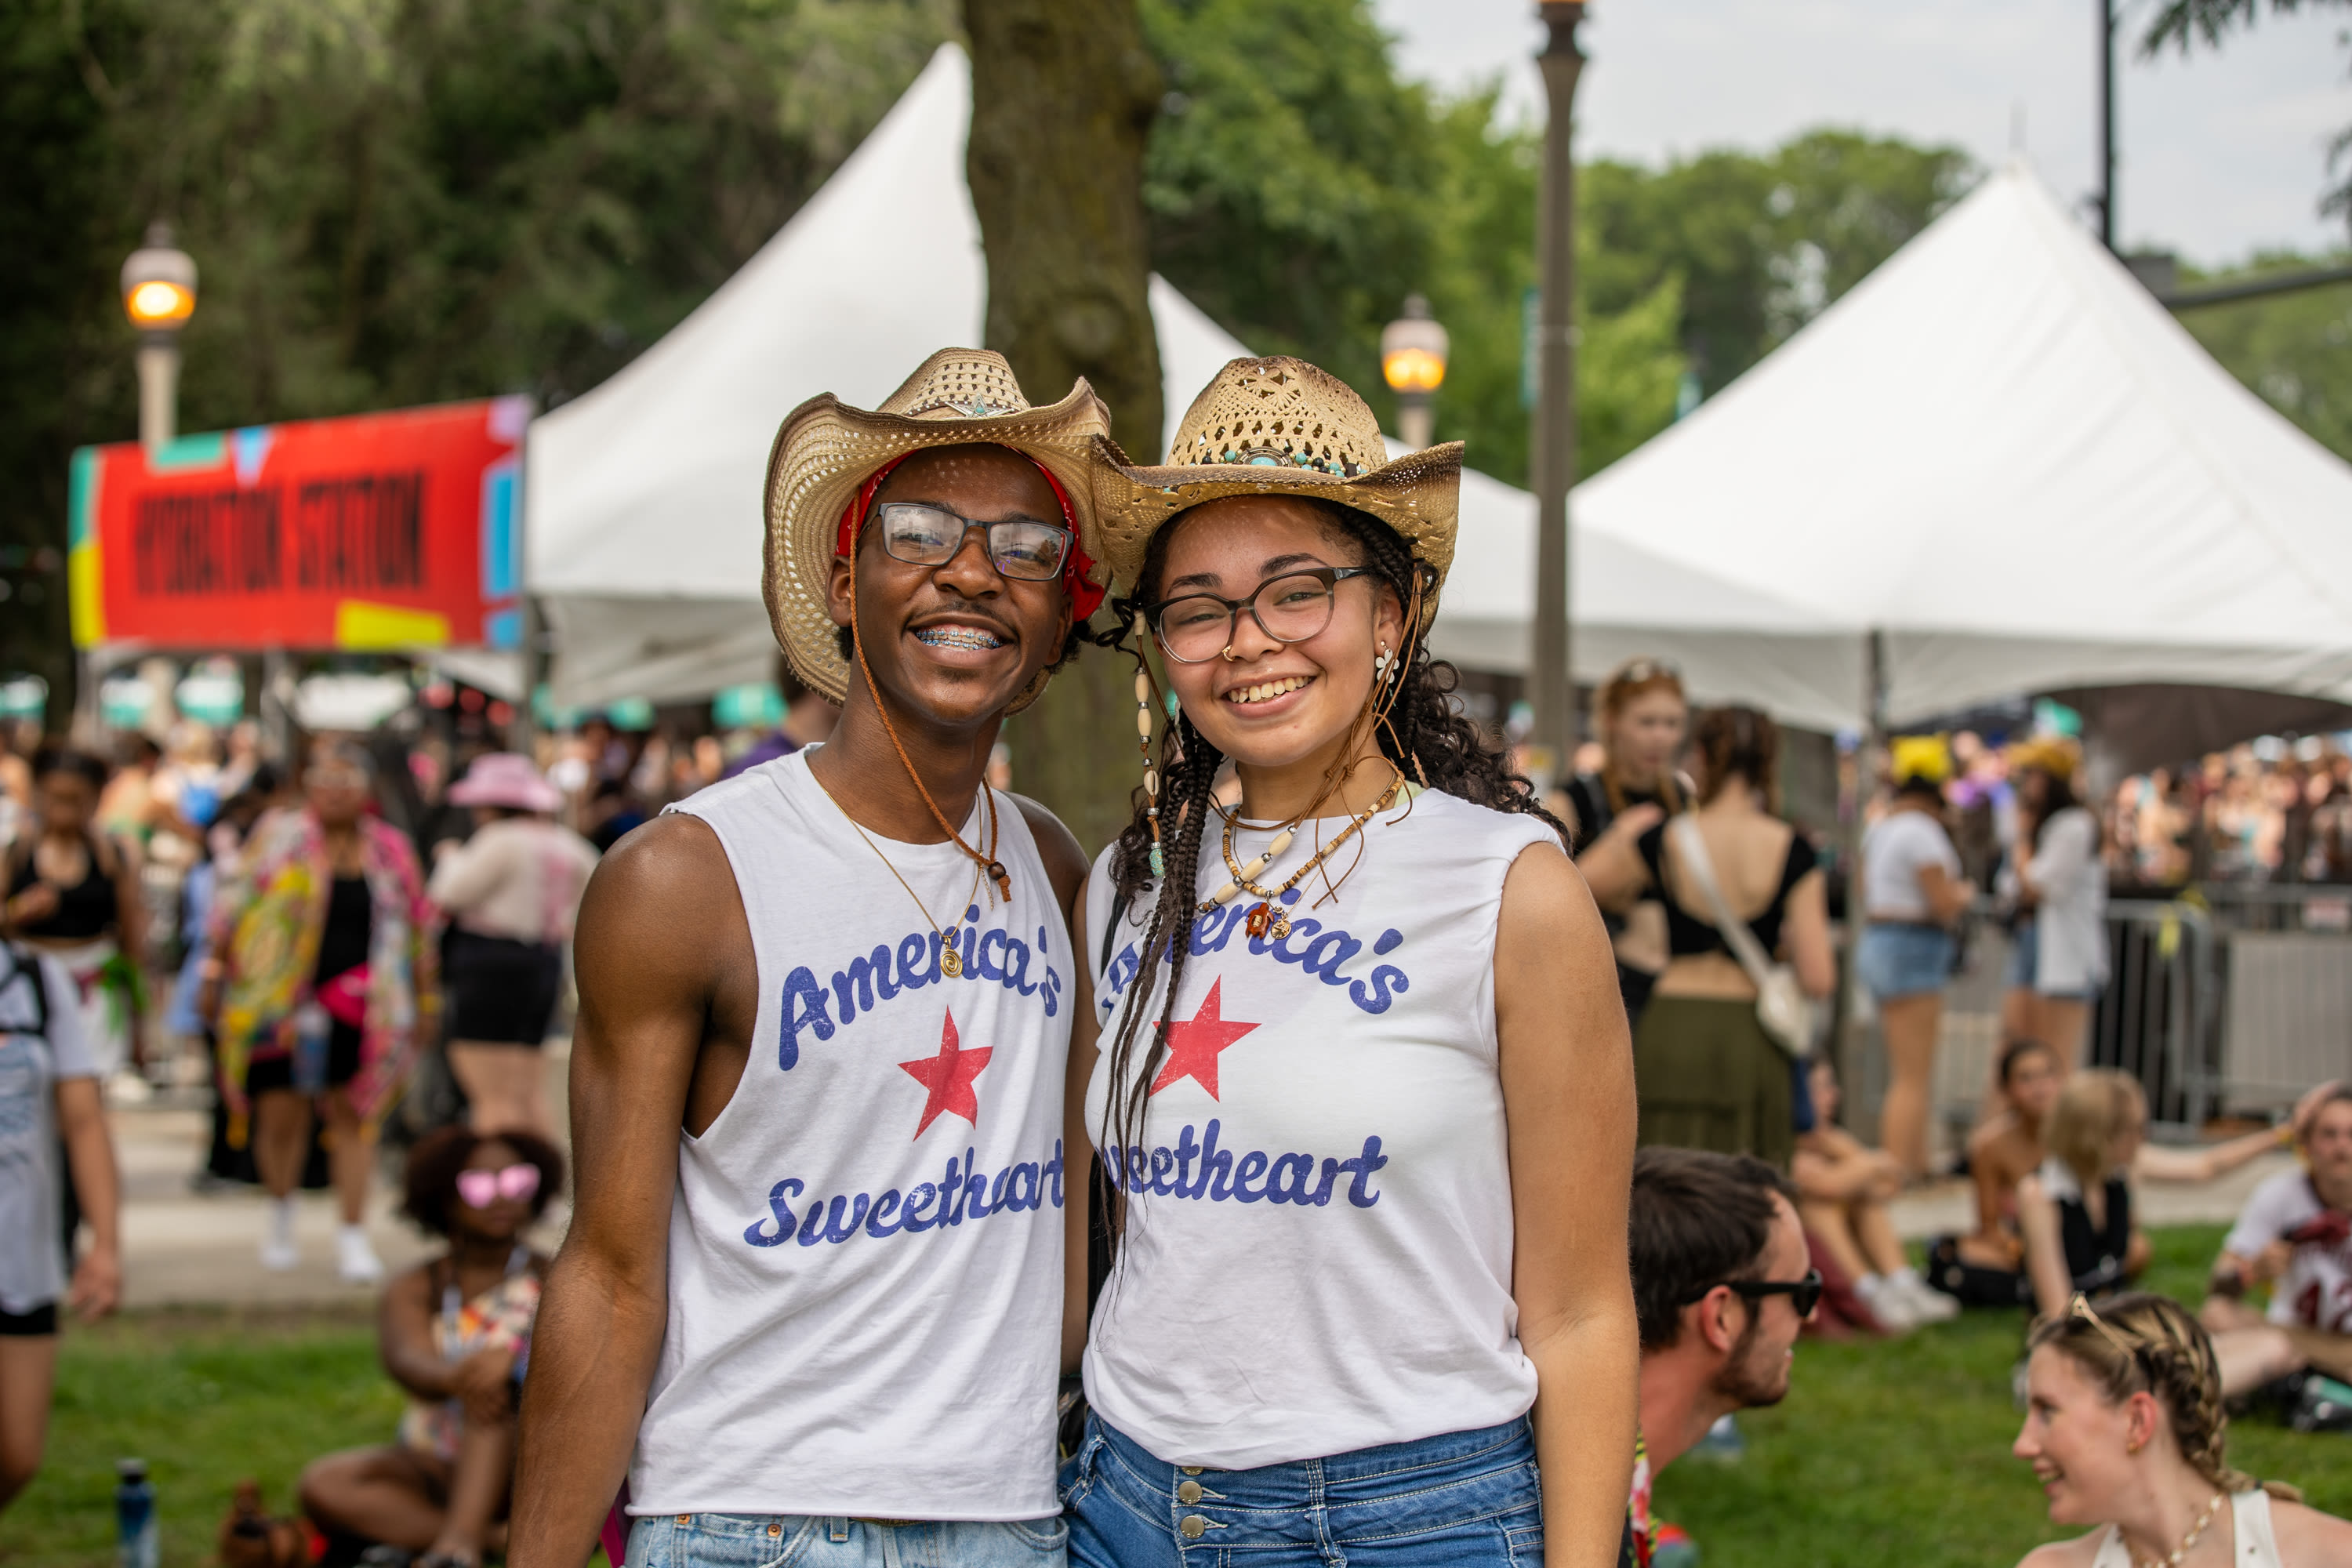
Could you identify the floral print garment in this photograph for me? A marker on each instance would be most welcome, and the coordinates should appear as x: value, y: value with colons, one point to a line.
x: 266, y: 922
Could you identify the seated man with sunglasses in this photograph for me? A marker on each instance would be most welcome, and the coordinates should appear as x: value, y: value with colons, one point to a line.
x: 1722, y: 1284
x: 809, y: 1306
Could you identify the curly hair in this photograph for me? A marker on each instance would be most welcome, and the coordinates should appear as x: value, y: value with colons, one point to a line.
x: 429, y: 1182
x: 2142, y: 1342
x: 1426, y: 736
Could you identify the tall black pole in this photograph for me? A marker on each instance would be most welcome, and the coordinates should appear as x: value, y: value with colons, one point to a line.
x: 1552, y: 686
x: 2107, y: 123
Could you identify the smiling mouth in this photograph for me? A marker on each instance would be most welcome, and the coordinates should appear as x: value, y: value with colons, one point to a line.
x: 968, y: 639
x: 1265, y: 692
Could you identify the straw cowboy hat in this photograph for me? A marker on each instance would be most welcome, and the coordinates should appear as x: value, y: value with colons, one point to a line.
x: 829, y: 459
x: 2054, y: 754
x: 507, y: 779
x: 1279, y: 427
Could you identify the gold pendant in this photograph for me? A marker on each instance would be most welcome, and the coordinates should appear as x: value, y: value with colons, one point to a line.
x: 1280, y: 929
x: 951, y: 962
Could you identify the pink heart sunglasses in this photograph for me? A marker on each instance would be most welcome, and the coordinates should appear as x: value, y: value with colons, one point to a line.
x: 481, y: 1189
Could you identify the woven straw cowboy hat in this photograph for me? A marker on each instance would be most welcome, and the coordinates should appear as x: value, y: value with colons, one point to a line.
x: 826, y: 450
x: 1278, y: 426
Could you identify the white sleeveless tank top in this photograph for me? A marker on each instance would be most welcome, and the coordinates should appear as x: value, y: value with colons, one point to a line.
x: 2254, y: 1545
x: 866, y: 1246
x: 1320, y: 1258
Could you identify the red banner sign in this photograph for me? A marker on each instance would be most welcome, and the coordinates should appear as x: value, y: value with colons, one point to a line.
x: 380, y: 531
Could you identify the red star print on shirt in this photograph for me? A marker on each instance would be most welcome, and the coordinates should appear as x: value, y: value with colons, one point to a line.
x: 1194, y: 1045
x: 948, y: 1078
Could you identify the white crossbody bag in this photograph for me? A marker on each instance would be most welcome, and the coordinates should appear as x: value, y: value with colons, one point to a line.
x: 1789, y: 1015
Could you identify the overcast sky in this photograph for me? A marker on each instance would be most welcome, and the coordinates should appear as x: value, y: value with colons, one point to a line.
x: 2220, y: 153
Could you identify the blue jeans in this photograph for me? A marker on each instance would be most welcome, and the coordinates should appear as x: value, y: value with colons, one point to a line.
x: 1464, y: 1500
x: 805, y: 1541
x: 1898, y: 961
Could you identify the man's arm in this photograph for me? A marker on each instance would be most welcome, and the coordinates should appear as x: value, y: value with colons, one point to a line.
x: 664, y: 960
x: 1568, y: 1097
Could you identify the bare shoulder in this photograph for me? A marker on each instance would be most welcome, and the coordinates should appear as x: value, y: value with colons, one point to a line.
x: 1545, y: 892
x: 2308, y: 1538
x: 666, y: 888
x: 2079, y: 1552
x: 1058, y: 847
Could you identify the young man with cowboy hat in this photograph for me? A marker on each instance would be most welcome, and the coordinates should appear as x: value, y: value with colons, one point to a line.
x: 807, y: 1301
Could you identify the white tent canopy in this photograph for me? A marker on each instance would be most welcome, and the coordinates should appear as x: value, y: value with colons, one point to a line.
x: 644, y: 495
x: 2001, y: 454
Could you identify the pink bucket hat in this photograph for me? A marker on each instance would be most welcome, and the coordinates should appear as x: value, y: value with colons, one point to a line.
x: 508, y: 779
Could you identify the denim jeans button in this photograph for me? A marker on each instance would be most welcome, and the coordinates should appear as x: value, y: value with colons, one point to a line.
x: 775, y: 1529
x: 1188, y: 1491
x: 1191, y: 1469
x: 1193, y: 1526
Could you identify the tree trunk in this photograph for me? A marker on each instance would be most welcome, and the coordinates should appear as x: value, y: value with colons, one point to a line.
x: 1063, y: 98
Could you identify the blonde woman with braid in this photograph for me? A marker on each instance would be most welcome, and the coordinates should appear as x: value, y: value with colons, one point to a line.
x: 1352, y: 1051
x: 2125, y: 1430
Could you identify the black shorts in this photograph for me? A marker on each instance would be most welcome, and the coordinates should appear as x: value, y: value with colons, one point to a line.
x: 263, y: 1073
x: 40, y: 1321
x: 501, y: 991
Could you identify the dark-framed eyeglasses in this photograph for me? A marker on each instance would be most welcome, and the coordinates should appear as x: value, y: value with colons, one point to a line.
x: 1018, y: 547
x: 1804, y: 1294
x: 1290, y: 606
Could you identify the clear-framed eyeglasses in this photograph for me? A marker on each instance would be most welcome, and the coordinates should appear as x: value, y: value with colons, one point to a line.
x: 1019, y: 548
x: 1289, y: 607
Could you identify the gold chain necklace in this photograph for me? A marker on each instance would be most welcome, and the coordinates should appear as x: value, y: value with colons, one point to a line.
x: 2187, y: 1540
x: 951, y: 962
x: 1268, y: 919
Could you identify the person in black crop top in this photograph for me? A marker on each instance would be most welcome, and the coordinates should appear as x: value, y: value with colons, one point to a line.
x: 1708, y: 1075
x: 73, y: 893
x: 1642, y: 718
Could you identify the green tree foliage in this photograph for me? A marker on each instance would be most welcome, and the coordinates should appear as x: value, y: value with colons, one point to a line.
x: 2294, y: 350
x: 395, y: 201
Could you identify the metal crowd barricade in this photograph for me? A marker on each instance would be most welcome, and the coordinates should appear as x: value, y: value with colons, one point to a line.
x: 2155, y: 1019
x: 2283, y: 1012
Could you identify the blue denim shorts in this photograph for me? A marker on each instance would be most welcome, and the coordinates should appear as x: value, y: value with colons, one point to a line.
x: 1904, y: 960
x: 806, y: 1540
x: 1465, y: 1499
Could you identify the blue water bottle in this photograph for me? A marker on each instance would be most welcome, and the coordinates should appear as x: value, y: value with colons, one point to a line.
x: 135, y: 1540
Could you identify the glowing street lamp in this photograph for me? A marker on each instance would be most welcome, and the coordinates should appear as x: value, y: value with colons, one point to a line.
x: 1412, y: 362
x: 159, y: 295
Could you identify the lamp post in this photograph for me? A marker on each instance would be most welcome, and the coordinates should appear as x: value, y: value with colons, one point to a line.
x: 1551, y: 687
x: 159, y: 295
x: 1412, y: 362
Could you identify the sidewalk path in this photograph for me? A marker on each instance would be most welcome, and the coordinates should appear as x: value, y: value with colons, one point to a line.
x: 184, y: 1248
x: 1944, y: 1208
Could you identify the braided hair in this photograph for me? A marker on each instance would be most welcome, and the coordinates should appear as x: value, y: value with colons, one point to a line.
x: 2142, y: 1342
x: 1425, y: 735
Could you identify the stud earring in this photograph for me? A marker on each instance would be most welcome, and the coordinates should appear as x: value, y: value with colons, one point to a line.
x: 1151, y: 774
x: 1381, y: 664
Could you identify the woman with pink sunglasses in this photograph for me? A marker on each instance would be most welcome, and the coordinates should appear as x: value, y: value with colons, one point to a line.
x: 456, y: 1333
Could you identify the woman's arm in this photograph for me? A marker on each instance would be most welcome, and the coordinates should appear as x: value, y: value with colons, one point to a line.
x: 1990, y: 1178
x: 466, y: 874
x: 1806, y: 935
x: 1612, y: 863
x: 130, y: 901
x: 404, y: 1336
x: 1077, y: 1192
x: 1567, y: 1069
x: 2155, y: 1164
x: 1946, y: 895
x: 90, y: 1154
x: 2045, y: 1249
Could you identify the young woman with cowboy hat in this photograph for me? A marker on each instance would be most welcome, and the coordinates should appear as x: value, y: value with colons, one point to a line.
x: 512, y: 892
x: 810, y: 1274
x: 1353, y: 1052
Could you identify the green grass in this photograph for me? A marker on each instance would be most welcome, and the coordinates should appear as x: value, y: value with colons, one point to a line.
x: 207, y: 1399
x: 1883, y: 1452
x: 1898, y: 1451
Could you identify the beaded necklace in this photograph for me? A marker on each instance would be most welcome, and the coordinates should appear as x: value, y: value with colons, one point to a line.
x: 1268, y: 919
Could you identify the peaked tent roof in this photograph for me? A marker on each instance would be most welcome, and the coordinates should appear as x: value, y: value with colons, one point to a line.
x: 643, y: 494
x: 2001, y: 452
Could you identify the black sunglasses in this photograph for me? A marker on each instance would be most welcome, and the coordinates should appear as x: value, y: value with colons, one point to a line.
x: 1804, y: 1294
